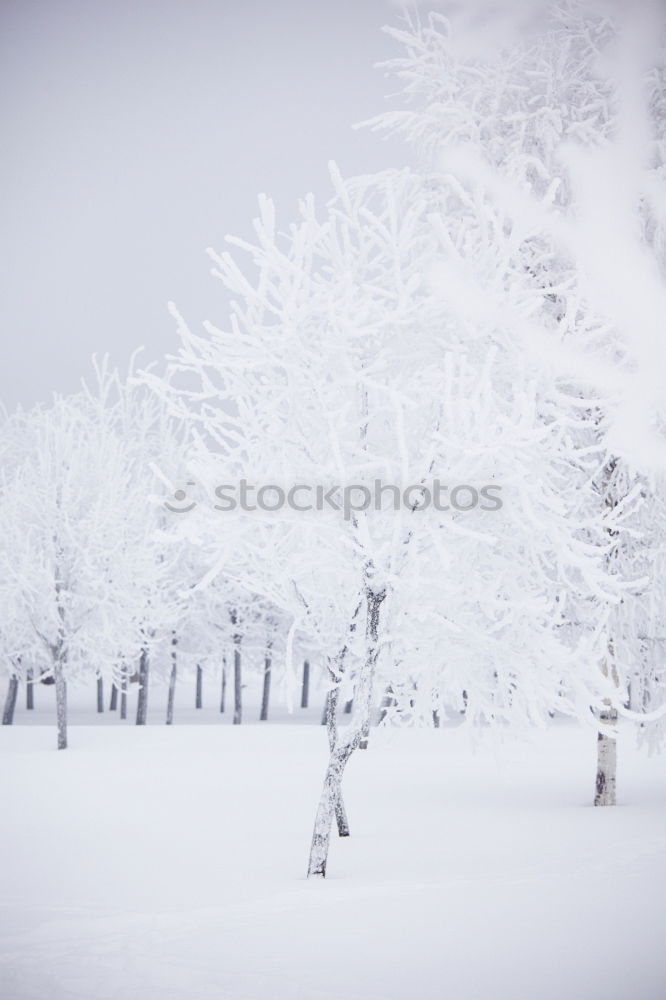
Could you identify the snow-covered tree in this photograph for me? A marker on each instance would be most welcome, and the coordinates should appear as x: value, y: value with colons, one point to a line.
x: 311, y: 386
x: 87, y: 581
x: 539, y: 133
x: 346, y: 364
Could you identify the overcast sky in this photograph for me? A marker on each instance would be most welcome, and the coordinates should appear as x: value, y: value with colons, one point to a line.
x: 138, y: 132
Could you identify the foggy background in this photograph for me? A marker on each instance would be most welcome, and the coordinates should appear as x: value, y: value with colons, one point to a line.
x: 136, y: 134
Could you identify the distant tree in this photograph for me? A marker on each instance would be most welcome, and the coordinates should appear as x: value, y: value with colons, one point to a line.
x: 83, y: 566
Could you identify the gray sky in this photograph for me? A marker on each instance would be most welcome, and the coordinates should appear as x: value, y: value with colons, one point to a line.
x: 139, y: 132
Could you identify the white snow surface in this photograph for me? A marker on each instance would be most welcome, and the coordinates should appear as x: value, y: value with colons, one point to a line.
x: 168, y: 863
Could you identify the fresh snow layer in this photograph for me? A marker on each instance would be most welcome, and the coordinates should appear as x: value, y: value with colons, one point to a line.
x: 168, y: 864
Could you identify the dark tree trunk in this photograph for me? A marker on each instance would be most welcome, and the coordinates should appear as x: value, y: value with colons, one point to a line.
x: 348, y: 706
x: 305, y: 689
x: 172, y: 681
x: 29, y: 689
x: 142, y: 695
x: 266, y: 692
x: 100, y: 694
x: 123, y: 694
x: 223, y: 693
x: 113, y: 704
x: 199, y: 699
x: 10, y: 701
x: 238, y: 700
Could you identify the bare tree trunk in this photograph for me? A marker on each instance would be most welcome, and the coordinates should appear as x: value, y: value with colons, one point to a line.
x: 341, y: 752
x: 348, y: 706
x: 330, y: 795
x: 199, y: 692
x: 224, y: 683
x: 61, y: 702
x: 238, y: 698
x: 29, y: 689
x: 59, y: 650
x: 305, y: 689
x: 606, y: 760
x: 265, y: 694
x: 606, y: 776
x: 238, y: 702
x: 10, y: 701
x: 172, y: 680
x: 123, y: 694
x: 331, y: 715
x: 113, y: 704
x: 100, y: 694
x: 142, y: 695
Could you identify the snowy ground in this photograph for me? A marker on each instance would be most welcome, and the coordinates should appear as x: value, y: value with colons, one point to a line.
x: 168, y: 864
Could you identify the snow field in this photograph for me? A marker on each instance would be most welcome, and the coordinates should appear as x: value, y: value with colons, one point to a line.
x: 169, y: 863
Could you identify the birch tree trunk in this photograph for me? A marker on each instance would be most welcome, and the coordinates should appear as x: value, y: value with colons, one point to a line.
x: 331, y: 715
x: 604, y: 794
x: 10, y: 701
x: 330, y: 795
x: 305, y: 689
x: 265, y: 694
x: 199, y: 693
x: 341, y: 752
x: 142, y: 696
x: 61, y: 702
x: 29, y: 689
x: 100, y: 694
x: 606, y: 776
x: 172, y: 681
